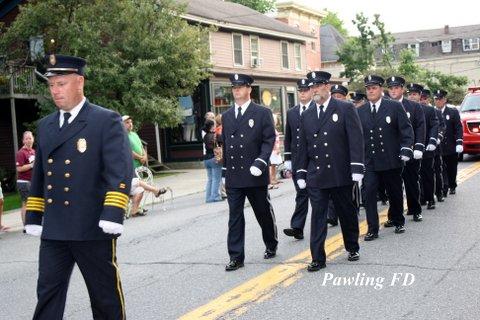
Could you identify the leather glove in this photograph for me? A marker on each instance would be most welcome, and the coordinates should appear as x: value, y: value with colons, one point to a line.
x: 357, y: 177
x: 33, y: 230
x: 255, y: 171
x: 431, y: 147
x: 417, y: 154
x: 404, y: 158
x: 459, y: 149
x: 301, y: 183
x: 288, y: 165
x: 110, y: 227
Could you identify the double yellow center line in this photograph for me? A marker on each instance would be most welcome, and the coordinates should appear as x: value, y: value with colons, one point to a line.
x: 263, y: 286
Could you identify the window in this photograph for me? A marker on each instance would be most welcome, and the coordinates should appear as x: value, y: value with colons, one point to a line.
x: 415, y: 47
x: 237, y: 49
x: 285, y: 55
x: 297, y: 55
x: 446, y: 46
x: 254, y: 51
x: 436, y: 43
x: 312, y: 45
x: 36, y: 48
x: 271, y: 97
x: 471, y: 44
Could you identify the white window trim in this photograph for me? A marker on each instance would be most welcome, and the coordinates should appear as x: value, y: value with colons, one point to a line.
x: 281, y: 55
x: 258, y: 46
x: 446, y: 46
x: 233, y: 49
x: 471, y: 41
x: 295, y: 45
x: 416, y: 49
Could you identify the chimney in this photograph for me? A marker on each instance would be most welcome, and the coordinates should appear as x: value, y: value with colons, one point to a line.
x: 446, y: 29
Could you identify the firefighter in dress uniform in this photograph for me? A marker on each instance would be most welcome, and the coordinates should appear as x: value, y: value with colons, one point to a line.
x: 248, y: 136
x: 292, y: 131
x: 411, y: 171
x: 330, y: 160
x: 79, y: 194
x: 388, y: 137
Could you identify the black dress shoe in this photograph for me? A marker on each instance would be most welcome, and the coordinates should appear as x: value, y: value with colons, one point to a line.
x: 353, y: 256
x: 315, y: 266
x: 417, y: 217
x: 423, y: 203
x: 332, y: 222
x: 294, y: 232
x: 400, y: 229
x: 431, y: 205
x: 445, y: 194
x: 233, y: 265
x: 440, y: 198
x: 370, y: 236
x: 269, y: 254
x: 388, y: 224
x: 452, y: 191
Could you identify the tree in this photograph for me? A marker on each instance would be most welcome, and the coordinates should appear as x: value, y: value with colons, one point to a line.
x: 141, y: 54
x: 262, y: 6
x: 332, y: 19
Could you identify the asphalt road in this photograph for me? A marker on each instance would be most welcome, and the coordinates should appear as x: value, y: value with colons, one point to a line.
x: 172, y: 263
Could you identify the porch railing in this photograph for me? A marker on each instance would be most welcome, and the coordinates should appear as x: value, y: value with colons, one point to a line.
x: 17, y: 80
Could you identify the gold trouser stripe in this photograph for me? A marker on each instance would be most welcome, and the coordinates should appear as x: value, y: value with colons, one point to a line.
x: 117, y: 276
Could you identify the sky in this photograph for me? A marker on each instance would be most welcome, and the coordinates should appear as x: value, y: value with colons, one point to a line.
x: 406, y: 15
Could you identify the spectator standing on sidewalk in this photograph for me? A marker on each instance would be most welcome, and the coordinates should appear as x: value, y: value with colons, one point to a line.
x: 138, y: 151
x: 275, y: 157
x: 218, y: 133
x: 2, y: 227
x: 25, y: 160
x: 214, y: 168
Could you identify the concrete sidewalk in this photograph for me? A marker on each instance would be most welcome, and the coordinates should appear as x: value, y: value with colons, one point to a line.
x: 181, y: 182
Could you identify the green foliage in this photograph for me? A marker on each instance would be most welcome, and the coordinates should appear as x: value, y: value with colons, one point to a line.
x: 141, y: 54
x: 332, y: 19
x: 262, y: 6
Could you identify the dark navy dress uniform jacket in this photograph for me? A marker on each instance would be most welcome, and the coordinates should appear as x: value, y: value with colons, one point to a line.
x: 417, y: 119
x: 453, y: 131
x: 432, y: 128
x: 387, y: 137
x: 247, y: 142
x: 82, y: 174
x: 330, y: 150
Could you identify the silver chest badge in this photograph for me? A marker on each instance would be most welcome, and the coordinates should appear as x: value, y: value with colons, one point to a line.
x: 251, y: 123
x: 447, y: 117
x: 82, y: 145
x: 388, y: 119
x: 335, y: 117
x: 408, y: 115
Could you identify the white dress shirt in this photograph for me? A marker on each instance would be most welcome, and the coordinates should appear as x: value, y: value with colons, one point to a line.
x: 244, y: 108
x: 73, y: 113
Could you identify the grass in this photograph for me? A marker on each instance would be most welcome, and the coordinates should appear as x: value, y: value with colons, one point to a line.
x: 11, y: 201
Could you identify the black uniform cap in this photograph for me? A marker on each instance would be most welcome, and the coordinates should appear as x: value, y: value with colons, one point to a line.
x: 395, y: 81
x: 239, y: 79
x: 373, y: 80
x: 439, y: 94
x: 338, y: 88
x: 58, y: 64
x: 303, y: 84
x: 426, y: 93
x: 414, y: 87
x: 357, y: 96
x: 316, y: 77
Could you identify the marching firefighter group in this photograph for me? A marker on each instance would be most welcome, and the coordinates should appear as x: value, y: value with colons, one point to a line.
x: 342, y: 155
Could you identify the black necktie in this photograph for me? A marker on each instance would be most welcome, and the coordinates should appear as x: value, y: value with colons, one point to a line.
x: 239, y: 113
x: 66, y: 116
x: 320, y: 114
x: 374, y: 110
x: 303, y: 108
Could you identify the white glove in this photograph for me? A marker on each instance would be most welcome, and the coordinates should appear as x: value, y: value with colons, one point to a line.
x: 223, y: 181
x: 417, y: 154
x: 438, y: 141
x: 288, y: 165
x: 301, y: 183
x: 111, y: 227
x: 459, y: 149
x: 357, y: 177
x: 431, y: 147
x: 255, y: 171
x: 33, y: 230
x: 404, y: 158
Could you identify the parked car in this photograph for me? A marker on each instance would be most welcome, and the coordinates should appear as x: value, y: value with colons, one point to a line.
x: 470, y: 116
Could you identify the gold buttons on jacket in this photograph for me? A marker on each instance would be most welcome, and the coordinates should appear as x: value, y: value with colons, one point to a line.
x: 49, y: 187
x: 67, y: 161
x: 49, y: 173
x: 66, y: 203
x: 50, y: 160
x: 49, y: 200
x: 66, y: 189
x: 67, y: 175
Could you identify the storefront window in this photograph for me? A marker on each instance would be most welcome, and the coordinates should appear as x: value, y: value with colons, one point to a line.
x: 188, y: 131
x: 271, y: 97
x: 222, y: 97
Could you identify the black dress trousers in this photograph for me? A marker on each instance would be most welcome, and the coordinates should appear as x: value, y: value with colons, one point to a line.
x: 427, y: 180
x: 411, y: 176
x: 301, y: 207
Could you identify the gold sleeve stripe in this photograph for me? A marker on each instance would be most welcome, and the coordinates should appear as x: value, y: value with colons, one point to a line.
x: 34, y: 208
x: 116, y: 193
x: 117, y: 198
x: 35, y: 198
x: 122, y: 203
x: 112, y: 204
